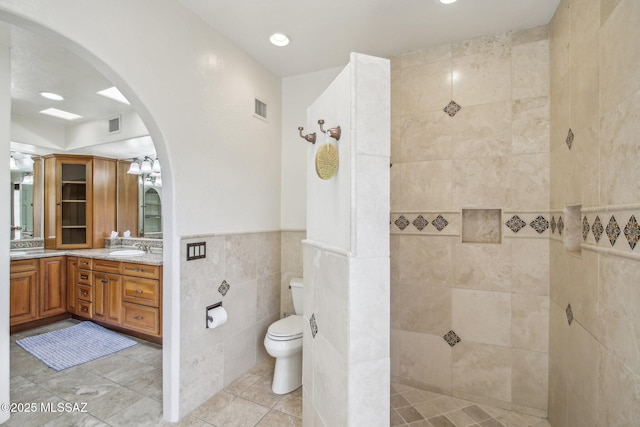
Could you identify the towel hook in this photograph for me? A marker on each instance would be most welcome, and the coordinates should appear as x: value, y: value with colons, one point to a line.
x: 333, y: 132
x: 311, y: 137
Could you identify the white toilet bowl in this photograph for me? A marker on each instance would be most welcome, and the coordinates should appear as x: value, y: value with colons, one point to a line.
x: 284, y: 342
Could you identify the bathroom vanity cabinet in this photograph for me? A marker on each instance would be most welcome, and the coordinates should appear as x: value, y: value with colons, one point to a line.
x: 37, y: 290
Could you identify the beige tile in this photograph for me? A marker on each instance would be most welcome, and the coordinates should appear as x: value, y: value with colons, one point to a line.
x: 560, y: 109
x: 606, y: 8
x: 582, y: 376
x: 260, y: 392
x: 583, y: 291
x: 426, y: 358
x: 481, y: 225
x: 211, y: 407
x: 268, y: 296
x: 530, y: 181
x: 425, y: 136
x: 529, y: 380
x: 422, y: 56
x: 530, y: 35
x: 278, y: 419
x: 482, y: 316
x: 483, y: 266
x: 482, y: 130
x: 394, y: 351
x: 482, y: 78
x: 425, y: 87
x: 558, y: 273
x: 618, y: 392
x: 530, y: 125
x: 530, y: 68
x: 290, y: 405
x: 481, y: 182
x: 427, y: 409
x: 424, y: 185
x: 482, y: 369
x: 559, y: 41
x: 240, y: 304
x: 559, y: 351
x: 421, y: 308
x: 460, y: 418
x: 268, y: 250
x: 239, y: 412
x: 240, y: 257
x: 530, y: 322
x: 530, y: 268
x: 585, y: 23
x: 291, y: 246
x: 577, y: 414
x: 486, y: 44
x: 426, y: 260
x: 145, y: 412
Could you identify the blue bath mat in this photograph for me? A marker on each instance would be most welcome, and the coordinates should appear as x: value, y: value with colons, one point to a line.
x: 75, y: 345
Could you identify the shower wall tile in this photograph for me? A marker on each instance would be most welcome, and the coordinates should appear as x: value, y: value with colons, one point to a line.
x: 559, y: 277
x: 415, y: 177
x: 559, y: 41
x: 426, y: 261
x: 268, y: 296
x: 240, y: 302
x: 329, y: 383
x: 482, y: 267
x: 425, y: 56
x: 582, y: 378
x: 425, y: 87
x: 530, y: 125
x: 482, y: 370
x: 530, y: 181
x: 482, y: 317
x: 425, y: 136
x: 530, y: 322
x: 481, y: 182
x: 482, y: 130
x: 530, y: 69
x: 530, y: 268
x: 268, y: 245
x: 528, y: 387
x: 482, y: 78
x: 240, y: 257
x: 585, y: 22
x: 421, y: 308
x: 560, y: 107
x: 394, y: 349
x: 482, y: 45
x: 583, y: 290
x: 426, y: 359
x: 606, y: 8
x: 530, y: 35
x: 577, y: 412
x: 558, y: 402
x: 239, y: 354
x: 618, y: 392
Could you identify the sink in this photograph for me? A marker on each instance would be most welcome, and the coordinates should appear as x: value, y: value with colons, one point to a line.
x: 127, y: 252
x: 17, y: 253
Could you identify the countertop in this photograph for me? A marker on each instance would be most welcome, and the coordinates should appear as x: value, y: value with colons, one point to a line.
x: 151, y: 259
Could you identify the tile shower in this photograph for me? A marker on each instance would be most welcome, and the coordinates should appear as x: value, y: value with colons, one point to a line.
x: 470, y: 221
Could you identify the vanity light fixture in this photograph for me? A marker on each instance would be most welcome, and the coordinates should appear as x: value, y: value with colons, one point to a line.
x: 134, y: 168
x: 51, y: 95
x: 27, y: 179
x: 146, y: 166
x: 279, y: 39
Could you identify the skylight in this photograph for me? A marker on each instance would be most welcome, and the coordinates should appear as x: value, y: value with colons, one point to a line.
x: 115, y: 94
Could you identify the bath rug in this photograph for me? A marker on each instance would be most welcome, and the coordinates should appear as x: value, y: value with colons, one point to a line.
x: 74, y: 345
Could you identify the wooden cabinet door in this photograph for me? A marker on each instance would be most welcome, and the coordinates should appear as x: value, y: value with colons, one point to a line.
x: 107, y: 297
x: 72, y: 281
x: 23, y: 291
x: 53, y: 286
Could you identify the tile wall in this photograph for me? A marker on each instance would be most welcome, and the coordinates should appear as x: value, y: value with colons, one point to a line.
x: 243, y: 272
x: 291, y: 266
x: 594, y: 273
x: 470, y: 164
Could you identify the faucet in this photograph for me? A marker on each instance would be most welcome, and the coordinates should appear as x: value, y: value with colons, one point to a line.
x: 144, y: 247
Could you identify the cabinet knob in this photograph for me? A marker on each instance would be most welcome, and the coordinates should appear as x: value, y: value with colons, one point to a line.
x: 84, y: 276
x: 104, y: 280
x: 139, y: 318
x: 138, y: 291
x: 138, y: 270
x: 84, y: 293
x: 84, y: 309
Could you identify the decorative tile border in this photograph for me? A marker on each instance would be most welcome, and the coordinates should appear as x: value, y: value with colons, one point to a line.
x: 435, y: 223
x: 130, y: 241
x: 26, y: 244
x: 527, y: 224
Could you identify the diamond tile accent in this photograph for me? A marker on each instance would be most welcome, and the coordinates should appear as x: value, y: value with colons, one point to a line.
x: 439, y: 222
x: 585, y: 228
x: 224, y: 288
x: 420, y: 222
x: 540, y: 224
x: 452, y: 108
x: 560, y: 225
x: 402, y: 222
x: 516, y: 223
x: 553, y: 225
x: 632, y: 232
x: 313, y: 325
x: 613, y: 230
x: 569, y: 140
x: 451, y: 338
x: 569, y: 314
x: 597, y: 229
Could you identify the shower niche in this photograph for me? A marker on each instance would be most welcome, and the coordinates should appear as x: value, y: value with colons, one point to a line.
x: 481, y: 225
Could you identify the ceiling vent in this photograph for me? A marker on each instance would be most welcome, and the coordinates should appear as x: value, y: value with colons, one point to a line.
x: 114, y: 124
x: 260, y: 110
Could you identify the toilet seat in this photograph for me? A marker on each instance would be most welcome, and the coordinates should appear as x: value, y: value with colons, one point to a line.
x: 287, y: 329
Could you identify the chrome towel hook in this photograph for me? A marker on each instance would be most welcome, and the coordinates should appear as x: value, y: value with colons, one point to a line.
x: 333, y: 132
x: 311, y: 137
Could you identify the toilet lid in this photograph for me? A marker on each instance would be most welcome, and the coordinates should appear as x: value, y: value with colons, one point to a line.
x: 290, y: 327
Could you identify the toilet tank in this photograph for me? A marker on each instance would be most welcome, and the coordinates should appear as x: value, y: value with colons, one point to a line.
x: 297, y: 293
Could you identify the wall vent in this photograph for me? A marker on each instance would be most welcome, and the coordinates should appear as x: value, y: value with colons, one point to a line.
x: 114, y: 124
x: 260, y: 110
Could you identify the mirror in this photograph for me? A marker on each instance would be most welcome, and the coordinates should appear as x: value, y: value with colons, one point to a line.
x: 149, y: 196
x: 22, y: 192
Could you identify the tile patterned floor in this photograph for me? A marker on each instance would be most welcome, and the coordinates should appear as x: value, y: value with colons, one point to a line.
x: 125, y: 389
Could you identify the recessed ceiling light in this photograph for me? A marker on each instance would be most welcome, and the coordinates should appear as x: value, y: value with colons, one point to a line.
x: 114, y: 93
x: 447, y: 1
x: 51, y: 95
x: 54, y: 112
x: 279, y: 39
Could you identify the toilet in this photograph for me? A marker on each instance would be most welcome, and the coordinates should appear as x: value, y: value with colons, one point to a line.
x: 284, y: 342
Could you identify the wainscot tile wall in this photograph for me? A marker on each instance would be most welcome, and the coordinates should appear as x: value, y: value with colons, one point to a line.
x: 470, y: 163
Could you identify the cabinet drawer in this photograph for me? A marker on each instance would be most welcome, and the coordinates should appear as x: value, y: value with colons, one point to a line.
x: 84, y: 309
x: 106, y: 266
x: 84, y: 293
x: 141, y: 291
x: 141, y: 318
x: 19, y: 266
x: 84, y: 263
x: 84, y: 277
x: 141, y: 270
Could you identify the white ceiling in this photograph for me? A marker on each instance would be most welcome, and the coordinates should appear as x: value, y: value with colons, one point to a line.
x: 323, y: 33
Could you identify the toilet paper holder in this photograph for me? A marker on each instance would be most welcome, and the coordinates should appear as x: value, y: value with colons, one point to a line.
x: 207, y: 317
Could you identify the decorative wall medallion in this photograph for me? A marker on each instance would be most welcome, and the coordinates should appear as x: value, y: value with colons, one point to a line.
x: 597, y: 229
x: 569, y: 140
x: 516, y: 223
x: 313, y: 325
x: 420, y: 222
x: 452, y: 108
x: 585, y: 228
x: 632, y: 232
x: 439, y: 222
x: 402, y: 222
x: 540, y: 224
x: 569, y: 314
x: 451, y: 338
x: 553, y: 225
x: 613, y: 230
x: 560, y: 225
x: 224, y: 288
